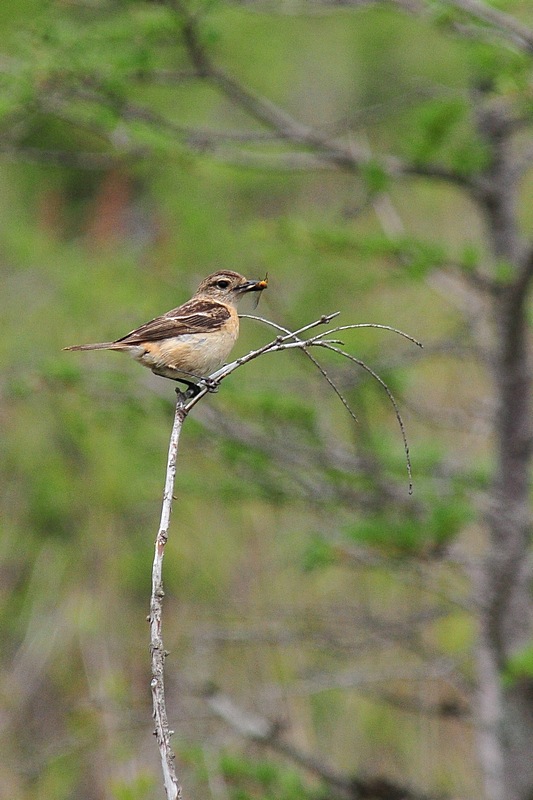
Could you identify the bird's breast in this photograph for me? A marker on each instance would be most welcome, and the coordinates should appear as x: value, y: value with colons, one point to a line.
x: 192, y: 354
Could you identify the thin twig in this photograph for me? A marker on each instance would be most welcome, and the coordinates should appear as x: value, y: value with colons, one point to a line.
x: 390, y: 396
x: 311, y: 357
x: 371, y: 325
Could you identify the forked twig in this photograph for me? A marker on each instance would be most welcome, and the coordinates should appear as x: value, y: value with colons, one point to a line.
x: 317, y: 340
x: 311, y: 357
x: 285, y: 340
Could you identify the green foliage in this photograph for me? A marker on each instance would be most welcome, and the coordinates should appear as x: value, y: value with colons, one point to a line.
x: 375, y: 177
x: 443, y: 133
x: 110, y: 47
x: 502, y: 69
x: 274, y: 407
x: 58, y: 778
x: 520, y: 666
x: 408, y: 536
x: 504, y: 272
x: 436, y: 123
x: 318, y: 554
x: 470, y: 257
x: 255, y: 465
x: 138, y: 789
x: 247, y: 778
x: 415, y: 255
x: 401, y: 532
x: 455, y: 634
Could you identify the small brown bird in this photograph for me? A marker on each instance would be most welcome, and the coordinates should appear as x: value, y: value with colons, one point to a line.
x: 190, y: 342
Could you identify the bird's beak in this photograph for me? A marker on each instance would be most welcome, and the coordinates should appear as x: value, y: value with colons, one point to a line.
x: 253, y: 286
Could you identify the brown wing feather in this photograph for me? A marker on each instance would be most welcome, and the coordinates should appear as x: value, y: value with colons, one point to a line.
x: 195, y: 316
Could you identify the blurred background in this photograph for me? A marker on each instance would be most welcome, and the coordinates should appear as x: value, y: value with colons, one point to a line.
x: 338, y: 147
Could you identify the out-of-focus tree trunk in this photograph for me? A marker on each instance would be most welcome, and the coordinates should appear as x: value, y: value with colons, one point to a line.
x: 505, y: 715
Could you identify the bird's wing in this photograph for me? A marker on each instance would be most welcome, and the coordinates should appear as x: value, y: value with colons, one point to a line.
x: 195, y: 316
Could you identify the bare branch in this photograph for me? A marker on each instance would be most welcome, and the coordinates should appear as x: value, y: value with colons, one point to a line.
x: 158, y: 653
x: 411, y: 573
x: 452, y: 708
x: 261, y: 729
x: 503, y: 24
x: 355, y: 678
x: 312, y: 148
x: 519, y: 288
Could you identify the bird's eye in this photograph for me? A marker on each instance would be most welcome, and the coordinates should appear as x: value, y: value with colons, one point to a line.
x: 223, y: 284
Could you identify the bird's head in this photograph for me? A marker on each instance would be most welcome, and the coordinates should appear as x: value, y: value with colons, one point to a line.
x: 228, y: 286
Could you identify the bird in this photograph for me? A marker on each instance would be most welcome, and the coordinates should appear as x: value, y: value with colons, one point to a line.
x: 190, y: 342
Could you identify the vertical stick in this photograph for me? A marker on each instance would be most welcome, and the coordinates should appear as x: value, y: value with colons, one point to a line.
x: 157, y: 650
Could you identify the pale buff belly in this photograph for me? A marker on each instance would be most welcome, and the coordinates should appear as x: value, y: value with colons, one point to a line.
x: 192, y: 356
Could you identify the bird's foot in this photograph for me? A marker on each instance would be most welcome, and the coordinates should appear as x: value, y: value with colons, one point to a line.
x: 190, y: 391
x: 210, y: 384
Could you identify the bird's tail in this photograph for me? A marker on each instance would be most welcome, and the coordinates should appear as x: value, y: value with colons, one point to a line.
x: 98, y: 346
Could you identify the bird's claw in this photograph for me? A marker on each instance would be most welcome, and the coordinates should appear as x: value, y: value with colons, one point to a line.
x: 210, y: 384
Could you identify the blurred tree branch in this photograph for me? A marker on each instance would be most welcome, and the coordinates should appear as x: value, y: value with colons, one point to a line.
x: 262, y: 730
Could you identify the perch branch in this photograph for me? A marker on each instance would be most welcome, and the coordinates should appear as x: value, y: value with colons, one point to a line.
x: 285, y: 340
x: 157, y: 650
